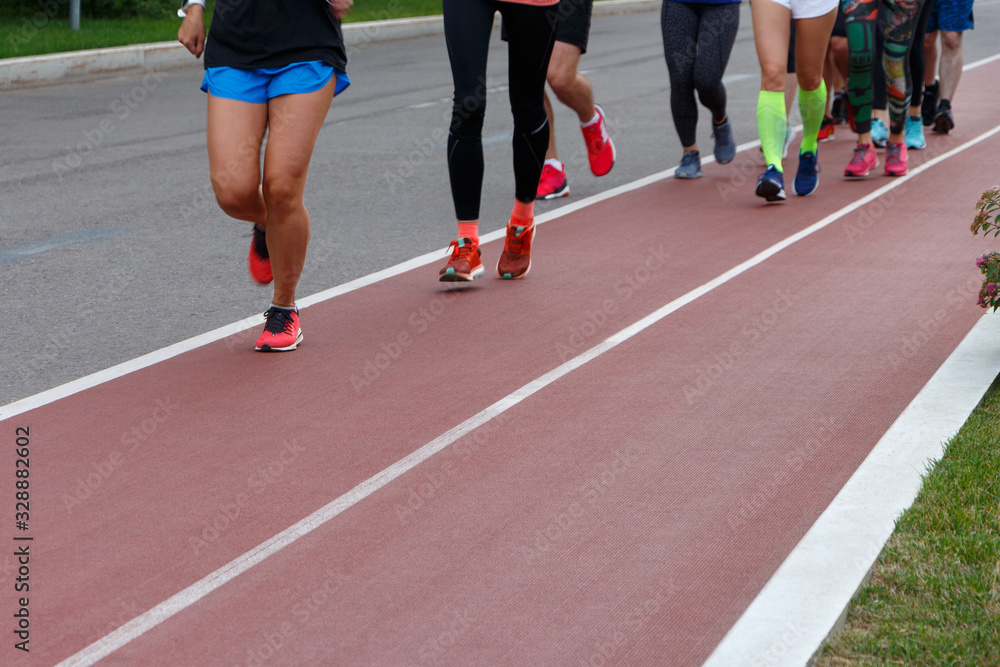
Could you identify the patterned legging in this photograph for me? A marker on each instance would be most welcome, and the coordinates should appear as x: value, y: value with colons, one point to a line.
x: 897, y: 20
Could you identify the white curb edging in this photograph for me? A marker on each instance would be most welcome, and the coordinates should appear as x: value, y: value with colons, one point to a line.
x: 76, y: 66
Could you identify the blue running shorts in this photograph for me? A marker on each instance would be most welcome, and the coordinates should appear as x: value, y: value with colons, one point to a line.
x: 950, y: 15
x: 257, y: 86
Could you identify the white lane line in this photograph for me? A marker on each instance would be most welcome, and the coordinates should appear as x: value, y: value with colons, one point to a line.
x: 806, y: 599
x: 161, y: 612
x: 100, y: 377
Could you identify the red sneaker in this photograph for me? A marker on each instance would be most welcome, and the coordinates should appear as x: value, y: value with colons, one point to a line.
x: 895, y: 159
x: 600, y: 148
x: 465, y: 264
x: 865, y: 159
x: 552, y: 184
x: 258, y: 259
x: 825, y: 130
x: 515, y: 261
x: 281, y: 331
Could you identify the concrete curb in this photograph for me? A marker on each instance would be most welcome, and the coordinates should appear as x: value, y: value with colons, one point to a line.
x: 77, y: 66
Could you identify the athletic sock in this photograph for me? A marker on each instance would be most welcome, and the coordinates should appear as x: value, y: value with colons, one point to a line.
x: 553, y: 162
x: 469, y: 230
x: 596, y: 118
x: 293, y: 309
x: 523, y: 213
x: 812, y: 105
x: 771, y: 125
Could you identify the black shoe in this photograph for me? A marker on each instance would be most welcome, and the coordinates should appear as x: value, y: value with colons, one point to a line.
x: 944, y: 122
x: 838, y: 109
x: 929, y: 105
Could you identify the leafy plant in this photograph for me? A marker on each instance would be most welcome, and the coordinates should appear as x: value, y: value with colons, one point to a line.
x: 988, y: 220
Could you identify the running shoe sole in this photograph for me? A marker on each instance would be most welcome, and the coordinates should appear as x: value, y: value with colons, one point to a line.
x: 943, y: 123
x: 770, y: 191
x: 452, y: 276
x: 556, y: 194
x: 268, y: 348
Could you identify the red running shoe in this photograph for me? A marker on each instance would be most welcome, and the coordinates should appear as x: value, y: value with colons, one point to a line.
x: 465, y: 264
x: 895, y: 159
x: 600, y: 148
x: 865, y: 159
x: 281, y: 331
x: 515, y: 261
x: 552, y: 184
x: 825, y: 130
x: 258, y: 259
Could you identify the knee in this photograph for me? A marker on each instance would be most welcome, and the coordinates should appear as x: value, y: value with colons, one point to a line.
x: 236, y: 200
x: 810, y: 80
x: 561, y: 79
x: 467, y: 115
x: 529, y: 118
x: 772, y: 77
x: 706, y: 82
x: 951, y: 41
x: 282, y: 194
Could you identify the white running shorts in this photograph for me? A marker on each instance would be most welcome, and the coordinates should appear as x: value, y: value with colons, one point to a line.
x: 807, y: 9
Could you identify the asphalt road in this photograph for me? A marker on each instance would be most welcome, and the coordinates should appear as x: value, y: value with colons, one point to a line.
x: 112, y: 245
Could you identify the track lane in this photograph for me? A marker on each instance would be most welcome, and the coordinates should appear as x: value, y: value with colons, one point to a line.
x: 696, y: 254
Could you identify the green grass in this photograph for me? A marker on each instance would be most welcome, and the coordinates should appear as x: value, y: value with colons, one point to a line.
x: 40, y: 34
x: 934, y: 595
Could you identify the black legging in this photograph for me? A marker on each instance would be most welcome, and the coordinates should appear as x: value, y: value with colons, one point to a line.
x: 531, y: 34
x: 697, y: 41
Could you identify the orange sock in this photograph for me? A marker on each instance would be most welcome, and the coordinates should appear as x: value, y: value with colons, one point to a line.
x: 469, y: 230
x: 523, y: 213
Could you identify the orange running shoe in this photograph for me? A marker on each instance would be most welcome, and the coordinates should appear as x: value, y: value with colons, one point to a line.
x: 865, y: 159
x: 825, y: 130
x: 258, y: 259
x: 515, y: 261
x: 465, y: 264
x: 552, y: 184
x: 281, y: 331
x: 600, y: 148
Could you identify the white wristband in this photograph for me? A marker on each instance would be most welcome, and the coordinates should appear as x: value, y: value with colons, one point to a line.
x: 182, y: 12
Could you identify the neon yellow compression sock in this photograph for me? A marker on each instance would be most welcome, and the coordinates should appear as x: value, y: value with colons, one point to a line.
x: 771, y: 125
x: 812, y: 105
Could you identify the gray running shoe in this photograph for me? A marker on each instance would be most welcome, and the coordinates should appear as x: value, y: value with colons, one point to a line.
x: 725, y: 145
x: 690, y: 166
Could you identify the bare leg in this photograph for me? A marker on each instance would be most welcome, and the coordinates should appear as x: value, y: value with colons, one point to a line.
x: 294, y: 124
x: 952, y: 60
x: 235, y: 132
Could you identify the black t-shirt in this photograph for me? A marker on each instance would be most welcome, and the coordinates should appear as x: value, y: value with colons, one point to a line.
x: 250, y: 34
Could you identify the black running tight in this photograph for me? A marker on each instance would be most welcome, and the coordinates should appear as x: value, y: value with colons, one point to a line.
x: 697, y: 41
x: 531, y: 33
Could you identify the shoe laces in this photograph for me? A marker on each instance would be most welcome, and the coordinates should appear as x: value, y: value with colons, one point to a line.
x: 517, y: 238
x: 860, y: 153
x: 462, y: 250
x: 278, y: 320
x: 893, y: 152
x: 596, y: 135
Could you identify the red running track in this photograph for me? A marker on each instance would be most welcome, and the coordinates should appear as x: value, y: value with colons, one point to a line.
x: 632, y: 508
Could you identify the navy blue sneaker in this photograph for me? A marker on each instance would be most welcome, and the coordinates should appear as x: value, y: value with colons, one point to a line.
x: 771, y: 185
x: 807, y: 178
x: 725, y: 144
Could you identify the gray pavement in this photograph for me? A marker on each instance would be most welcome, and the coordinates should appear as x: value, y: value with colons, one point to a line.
x: 112, y: 245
